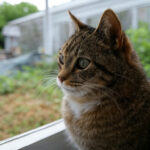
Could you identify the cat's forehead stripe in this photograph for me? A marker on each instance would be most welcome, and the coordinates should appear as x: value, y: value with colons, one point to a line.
x: 71, y: 43
x: 74, y: 44
x: 82, y: 38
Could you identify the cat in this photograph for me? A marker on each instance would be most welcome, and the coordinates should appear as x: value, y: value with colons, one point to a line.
x: 106, y: 103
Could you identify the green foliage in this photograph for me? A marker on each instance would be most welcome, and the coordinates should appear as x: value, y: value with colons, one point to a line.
x: 7, y: 85
x: 141, y: 41
x: 41, y: 79
x: 31, y: 94
x: 10, y: 12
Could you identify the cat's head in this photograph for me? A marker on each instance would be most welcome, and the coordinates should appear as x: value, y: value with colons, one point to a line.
x: 92, y: 58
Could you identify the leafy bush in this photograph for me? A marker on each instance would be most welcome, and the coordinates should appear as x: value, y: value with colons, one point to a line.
x: 141, y: 41
x: 41, y: 79
x: 7, y: 85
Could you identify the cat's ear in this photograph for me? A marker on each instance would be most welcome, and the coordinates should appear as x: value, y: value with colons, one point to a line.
x: 78, y: 24
x: 110, y: 28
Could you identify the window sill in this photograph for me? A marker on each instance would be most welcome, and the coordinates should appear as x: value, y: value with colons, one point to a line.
x: 47, y: 137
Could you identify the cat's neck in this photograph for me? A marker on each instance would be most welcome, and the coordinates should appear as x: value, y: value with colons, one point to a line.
x: 79, y: 106
x: 132, y: 83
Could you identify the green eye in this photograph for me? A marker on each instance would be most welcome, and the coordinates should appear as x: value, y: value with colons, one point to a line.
x: 82, y: 63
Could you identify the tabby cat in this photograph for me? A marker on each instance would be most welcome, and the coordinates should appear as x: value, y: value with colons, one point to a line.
x: 106, y: 104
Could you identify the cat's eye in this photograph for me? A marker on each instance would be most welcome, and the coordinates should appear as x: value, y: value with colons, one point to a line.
x: 82, y: 63
x: 61, y: 59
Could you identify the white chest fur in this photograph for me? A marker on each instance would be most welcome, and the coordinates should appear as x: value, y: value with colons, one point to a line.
x: 78, y: 108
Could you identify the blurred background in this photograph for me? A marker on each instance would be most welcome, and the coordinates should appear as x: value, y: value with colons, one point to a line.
x: 31, y: 33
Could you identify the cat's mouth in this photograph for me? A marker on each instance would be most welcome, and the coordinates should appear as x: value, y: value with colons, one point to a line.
x: 73, y: 84
x: 75, y: 91
x: 70, y: 87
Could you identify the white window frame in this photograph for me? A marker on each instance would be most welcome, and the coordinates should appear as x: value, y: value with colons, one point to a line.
x: 47, y: 137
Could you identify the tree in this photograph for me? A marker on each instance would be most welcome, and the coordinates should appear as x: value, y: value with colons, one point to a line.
x: 10, y: 12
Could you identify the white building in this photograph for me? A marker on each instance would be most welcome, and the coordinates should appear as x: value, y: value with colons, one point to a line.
x: 30, y: 31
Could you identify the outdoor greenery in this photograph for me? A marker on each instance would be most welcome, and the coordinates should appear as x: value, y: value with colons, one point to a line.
x: 10, y: 12
x: 29, y: 99
x: 141, y: 42
x: 39, y: 77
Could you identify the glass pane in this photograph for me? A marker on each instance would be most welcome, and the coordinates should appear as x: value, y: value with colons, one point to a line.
x: 29, y: 96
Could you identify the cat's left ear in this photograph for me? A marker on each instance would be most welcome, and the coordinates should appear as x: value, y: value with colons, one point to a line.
x: 78, y: 24
x: 110, y: 28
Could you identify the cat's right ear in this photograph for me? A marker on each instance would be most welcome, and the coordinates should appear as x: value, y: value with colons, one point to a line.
x: 78, y: 24
x: 110, y: 28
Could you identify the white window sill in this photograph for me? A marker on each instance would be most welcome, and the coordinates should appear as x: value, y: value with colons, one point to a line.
x: 47, y: 137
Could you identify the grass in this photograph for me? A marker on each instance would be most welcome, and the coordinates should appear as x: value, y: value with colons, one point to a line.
x: 28, y: 100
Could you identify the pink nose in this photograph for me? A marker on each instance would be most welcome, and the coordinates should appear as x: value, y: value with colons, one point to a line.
x: 61, y: 78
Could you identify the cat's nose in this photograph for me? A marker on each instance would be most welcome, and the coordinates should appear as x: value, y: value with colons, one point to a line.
x: 61, y: 78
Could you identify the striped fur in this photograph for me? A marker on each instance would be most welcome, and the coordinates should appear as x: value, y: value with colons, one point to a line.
x: 107, y: 104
